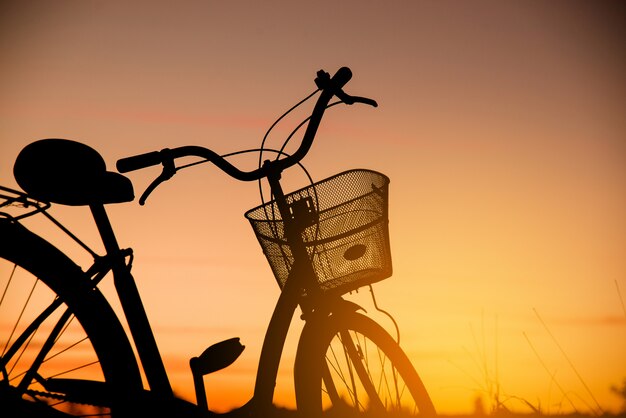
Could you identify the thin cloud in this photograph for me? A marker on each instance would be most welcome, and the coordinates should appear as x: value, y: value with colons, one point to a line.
x: 607, y: 320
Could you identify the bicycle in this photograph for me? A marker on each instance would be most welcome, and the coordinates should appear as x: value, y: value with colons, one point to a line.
x: 321, y: 241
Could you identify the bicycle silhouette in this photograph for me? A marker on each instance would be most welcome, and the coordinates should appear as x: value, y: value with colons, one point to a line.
x: 64, y: 350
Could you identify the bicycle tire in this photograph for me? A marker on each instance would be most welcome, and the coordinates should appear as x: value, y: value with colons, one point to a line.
x: 91, y: 334
x: 323, y: 357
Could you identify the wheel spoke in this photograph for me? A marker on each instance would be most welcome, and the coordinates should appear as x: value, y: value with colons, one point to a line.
x: 66, y: 349
x: 337, y: 367
x: 6, y: 288
x: 346, y: 341
x: 29, y: 332
x: 19, y: 318
x: 73, y: 369
x: 41, y: 356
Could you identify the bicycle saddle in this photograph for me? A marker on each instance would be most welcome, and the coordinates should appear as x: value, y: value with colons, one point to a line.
x: 70, y: 173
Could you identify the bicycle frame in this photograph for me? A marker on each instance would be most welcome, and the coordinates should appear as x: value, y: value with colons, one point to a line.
x: 301, y: 276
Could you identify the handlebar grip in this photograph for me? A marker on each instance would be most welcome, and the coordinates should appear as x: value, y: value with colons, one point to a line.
x: 342, y: 76
x: 138, y: 162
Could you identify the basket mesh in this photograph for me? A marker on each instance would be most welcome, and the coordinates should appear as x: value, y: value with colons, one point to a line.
x: 347, y: 239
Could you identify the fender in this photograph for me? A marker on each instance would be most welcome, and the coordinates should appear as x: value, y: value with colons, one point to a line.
x: 339, y: 306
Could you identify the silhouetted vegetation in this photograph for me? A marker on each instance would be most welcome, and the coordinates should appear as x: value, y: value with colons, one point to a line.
x: 621, y: 392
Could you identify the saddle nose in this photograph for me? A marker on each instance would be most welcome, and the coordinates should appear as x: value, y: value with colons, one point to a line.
x: 70, y: 173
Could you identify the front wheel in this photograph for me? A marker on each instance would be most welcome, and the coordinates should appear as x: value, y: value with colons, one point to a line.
x: 348, y: 365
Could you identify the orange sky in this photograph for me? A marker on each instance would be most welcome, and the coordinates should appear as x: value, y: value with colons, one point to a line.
x: 501, y: 126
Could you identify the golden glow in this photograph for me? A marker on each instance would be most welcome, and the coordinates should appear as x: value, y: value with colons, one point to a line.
x: 501, y: 126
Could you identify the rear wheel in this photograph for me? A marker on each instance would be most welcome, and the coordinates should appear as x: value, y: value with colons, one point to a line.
x: 350, y: 366
x: 62, y: 349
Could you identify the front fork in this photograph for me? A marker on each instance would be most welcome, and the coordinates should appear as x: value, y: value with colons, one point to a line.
x: 274, y: 343
x: 313, y: 333
x: 276, y: 335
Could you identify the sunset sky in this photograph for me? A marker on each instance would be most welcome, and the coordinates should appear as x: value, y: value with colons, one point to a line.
x: 500, y: 124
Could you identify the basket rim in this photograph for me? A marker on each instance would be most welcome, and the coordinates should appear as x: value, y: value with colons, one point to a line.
x: 385, y: 179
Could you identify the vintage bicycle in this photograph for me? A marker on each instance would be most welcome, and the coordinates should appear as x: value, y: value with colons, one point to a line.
x: 65, y: 352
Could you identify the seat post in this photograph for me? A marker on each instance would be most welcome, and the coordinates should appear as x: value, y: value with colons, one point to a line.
x: 133, y: 307
x: 104, y: 228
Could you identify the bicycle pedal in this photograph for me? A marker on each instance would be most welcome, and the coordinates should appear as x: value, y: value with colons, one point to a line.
x: 217, y: 357
x: 214, y: 358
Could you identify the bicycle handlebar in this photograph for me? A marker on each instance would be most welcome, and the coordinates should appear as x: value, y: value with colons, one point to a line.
x: 329, y: 87
x: 149, y: 159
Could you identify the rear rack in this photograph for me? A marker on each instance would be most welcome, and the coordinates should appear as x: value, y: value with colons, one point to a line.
x: 17, y: 205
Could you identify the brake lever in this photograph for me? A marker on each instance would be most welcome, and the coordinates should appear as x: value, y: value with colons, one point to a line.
x: 347, y: 99
x: 324, y: 81
x: 169, y: 169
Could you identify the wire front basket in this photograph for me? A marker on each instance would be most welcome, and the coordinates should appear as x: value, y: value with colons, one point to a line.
x: 346, y: 233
